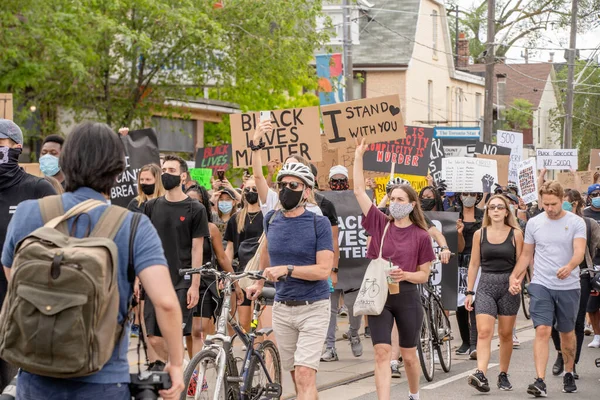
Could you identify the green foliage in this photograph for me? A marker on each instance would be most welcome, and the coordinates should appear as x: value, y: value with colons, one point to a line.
x: 518, y: 115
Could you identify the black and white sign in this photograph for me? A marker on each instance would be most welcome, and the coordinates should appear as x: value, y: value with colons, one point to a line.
x: 557, y: 159
x: 491, y: 149
x: 435, y: 163
x: 445, y: 276
x: 514, y: 141
x: 465, y: 174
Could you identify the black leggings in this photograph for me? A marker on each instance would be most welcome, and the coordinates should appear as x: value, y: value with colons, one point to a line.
x: 580, y: 321
x: 468, y: 331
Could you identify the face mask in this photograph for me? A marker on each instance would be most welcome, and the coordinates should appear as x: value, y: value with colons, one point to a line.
x: 339, y: 184
x: 49, y: 165
x: 596, y: 202
x: 148, y: 189
x: 251, y: 197
x: 399, y: 210
x: 290, y: 199
x: 468, y: 201
x: 170, y: 181
x: 225, y: 206
x: 9, y: 161
x: 427, y: 204
x: 567, y: 206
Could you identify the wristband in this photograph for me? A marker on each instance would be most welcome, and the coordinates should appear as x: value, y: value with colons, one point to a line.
x: 469, y: 293
x: 445, y: 248
x: 259, y: 146
x: 335, y: 270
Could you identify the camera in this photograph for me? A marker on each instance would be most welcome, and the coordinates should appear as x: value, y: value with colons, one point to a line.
x: 145, y: 386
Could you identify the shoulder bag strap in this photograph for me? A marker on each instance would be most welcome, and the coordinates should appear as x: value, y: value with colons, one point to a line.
x: 382, y: 239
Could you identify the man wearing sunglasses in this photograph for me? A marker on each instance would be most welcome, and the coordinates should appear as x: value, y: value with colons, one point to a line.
x: 593, y: 307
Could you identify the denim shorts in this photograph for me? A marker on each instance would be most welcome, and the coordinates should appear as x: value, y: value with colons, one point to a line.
x: 548, y: 305
x: 35, y: 387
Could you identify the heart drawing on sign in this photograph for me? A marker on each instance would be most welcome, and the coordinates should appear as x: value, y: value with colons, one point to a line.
x: 182, y: 219
x: 394, y: 110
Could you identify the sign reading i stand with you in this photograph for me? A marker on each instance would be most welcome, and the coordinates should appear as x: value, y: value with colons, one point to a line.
x: 295, y: 131
x: 465, y: 174
x: 411, y: 154
x: 514, y: 141
x: 557, y: 159
x: 377, y: 119
x: 218, y: 157
x: 528, y: 181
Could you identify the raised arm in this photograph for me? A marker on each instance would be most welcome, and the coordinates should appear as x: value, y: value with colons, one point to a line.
x: 261, y: 183
x: 359, y: 180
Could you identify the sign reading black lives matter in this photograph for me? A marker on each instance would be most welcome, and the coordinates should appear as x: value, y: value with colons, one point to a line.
x: 411, y: 154
x: 141, y: 148
x: 218, y: 157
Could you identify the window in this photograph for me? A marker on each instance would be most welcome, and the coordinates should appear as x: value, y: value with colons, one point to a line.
x: 478, y: 101
x: 429, y: 101
x: 434, y: 31
x: 334, y: 15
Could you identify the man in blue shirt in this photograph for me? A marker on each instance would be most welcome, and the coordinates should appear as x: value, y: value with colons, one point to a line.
x: 91, y: 160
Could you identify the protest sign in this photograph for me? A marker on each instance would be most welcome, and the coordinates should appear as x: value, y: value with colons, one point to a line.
x: 436, y: 156
x: 295, y: 131
x: 459, y: 147
x: 202, y: 176
x: 330, y: 158
x: 502, y: 162
x: 528, y: 181
x: 32, y: 168
x: 377, y: 119
x: 594, y: 159
x: 514, y: 141
x: 218, y: 157
x: 141, y: 148
x: 568, y: 181
x: 411, y: 154
x: 557, y: 159
x: 417, y: 183
x: 464, y: 174
x: 444, y: 277
x: 491, y: 149
x: 6, y: 106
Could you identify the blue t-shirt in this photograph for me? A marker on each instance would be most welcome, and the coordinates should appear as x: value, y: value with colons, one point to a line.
x: 296, y: 241
x: 147, y: 251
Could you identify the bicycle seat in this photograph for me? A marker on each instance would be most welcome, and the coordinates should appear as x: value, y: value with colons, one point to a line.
x: 268, y: 293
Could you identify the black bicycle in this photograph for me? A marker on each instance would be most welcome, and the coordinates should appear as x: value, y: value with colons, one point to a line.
x: 214, y: 370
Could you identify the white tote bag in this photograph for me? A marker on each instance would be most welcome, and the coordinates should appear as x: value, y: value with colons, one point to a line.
x: 374, y: 288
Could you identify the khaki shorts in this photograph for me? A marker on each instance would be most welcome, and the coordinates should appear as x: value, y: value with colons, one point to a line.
x: 300, y: 332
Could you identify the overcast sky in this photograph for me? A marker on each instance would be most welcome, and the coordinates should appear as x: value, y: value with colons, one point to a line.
x: 551, y: 38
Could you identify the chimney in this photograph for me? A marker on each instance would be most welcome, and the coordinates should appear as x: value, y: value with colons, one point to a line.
x: 463, y: 51
x: 551, y: 57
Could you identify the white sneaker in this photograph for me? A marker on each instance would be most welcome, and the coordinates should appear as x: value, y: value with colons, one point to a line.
x: 588, y: 329
x: 516, y: 342
x: 595, y: 344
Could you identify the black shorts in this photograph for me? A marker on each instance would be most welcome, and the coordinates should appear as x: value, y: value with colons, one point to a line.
x: 593, y: 304
x: 152, y: 328
x: 406, y: 309
x: 209, y: 303
x: 493, y: 297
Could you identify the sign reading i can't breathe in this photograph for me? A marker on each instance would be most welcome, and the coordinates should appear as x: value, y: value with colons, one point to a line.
x: 295, y: 131
x: 377, y: 119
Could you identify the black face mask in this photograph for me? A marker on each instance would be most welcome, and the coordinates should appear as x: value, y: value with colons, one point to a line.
x: 251, y: 197
x: 148, y: 189
x: 170, y: 181
x: 427, y: 204
x: 289, y: 198
x: 338, y: 184
x: 9, y: 161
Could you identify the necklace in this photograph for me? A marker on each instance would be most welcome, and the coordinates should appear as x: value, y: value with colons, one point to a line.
x: 252, y: 218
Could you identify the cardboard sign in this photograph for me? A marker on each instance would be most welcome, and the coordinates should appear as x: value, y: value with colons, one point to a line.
x: 528, y: 181
x: 32, y: 168
x: 202, y: 176
x: 514, y: 141
x: 411, y: 154
x: 218, y: 157
x: 502, y: 162
x: 141, y: 148
x: 594, y: 159
x: 295, y: 131
x: 330, y: 158
x: 464, y: 174
x: 6, y: 106
x: 417, y: 183
x: 557, y: 159
x: 377, y: 119
x: 568, y: 181
x: 491, y: 149
x: 437, y: 153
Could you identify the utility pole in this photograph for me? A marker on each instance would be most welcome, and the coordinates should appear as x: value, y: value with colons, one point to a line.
x: 488, y: 115
x: 347, y: 54
x: 568, y: 133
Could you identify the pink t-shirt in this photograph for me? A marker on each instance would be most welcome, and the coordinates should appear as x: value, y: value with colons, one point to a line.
x: 406, y: 247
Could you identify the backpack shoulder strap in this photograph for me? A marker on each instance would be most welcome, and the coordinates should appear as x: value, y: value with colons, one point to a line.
x: 110, y: 222
x: 52, y: 207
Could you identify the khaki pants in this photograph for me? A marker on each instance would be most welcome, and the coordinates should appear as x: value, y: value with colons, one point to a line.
x: 300, y: 332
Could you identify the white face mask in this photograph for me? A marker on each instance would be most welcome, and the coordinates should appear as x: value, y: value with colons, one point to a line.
x: 400, y: 210
x: 468, y: 201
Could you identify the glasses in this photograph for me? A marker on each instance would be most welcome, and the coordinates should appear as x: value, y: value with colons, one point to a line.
x: 469, y: 194
x: 594, y: 195
x: 291, y: 185
x: 250, y: 189
x: 496, y: 207
x: 342, y: 180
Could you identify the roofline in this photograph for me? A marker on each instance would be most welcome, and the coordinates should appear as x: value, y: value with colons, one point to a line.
x: 380, y: 67
x: 205, y: 104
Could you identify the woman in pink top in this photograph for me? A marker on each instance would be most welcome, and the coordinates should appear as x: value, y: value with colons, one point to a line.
x: 408, y: 247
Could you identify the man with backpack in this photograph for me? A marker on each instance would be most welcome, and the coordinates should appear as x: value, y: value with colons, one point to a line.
x: 71, y: 261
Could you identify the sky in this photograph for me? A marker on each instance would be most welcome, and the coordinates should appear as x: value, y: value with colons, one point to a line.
x: 550, y: 38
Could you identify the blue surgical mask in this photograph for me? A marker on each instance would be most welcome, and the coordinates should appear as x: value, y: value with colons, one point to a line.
x: 596, y: 202
x: 225, y: 206
x: 49, y: 165
x: 567, y: 206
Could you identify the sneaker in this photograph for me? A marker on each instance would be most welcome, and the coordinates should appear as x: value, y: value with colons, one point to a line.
x: 395, y: 366
x: 463, y: 350
x: 473, y: 354
x: 538, y: 388
x: 479, y: 381
x: 367, y: 332
x: 356, y: 346
x: 575, y: 374
x: 135, y: 331
x: 569, y: 383
x: 156, y: 366
x: 559, y: 365
x: 329, y: 355
x: 503, y: 382
x: 193, y: 384
x: 400, y: 362
x: 343, y: 311
x: 595, y: 344
x: 516, y: 342
x: 588, y: 329
x: 346, y: 335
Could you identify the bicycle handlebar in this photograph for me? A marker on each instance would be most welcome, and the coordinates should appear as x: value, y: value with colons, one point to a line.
x: 234, y: 277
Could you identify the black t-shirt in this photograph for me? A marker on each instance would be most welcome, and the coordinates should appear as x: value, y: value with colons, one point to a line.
x: 133, y: 206
x: 177, y: 224
x: 595, y: 215
x: 253, y: 229
x: 327, y: 208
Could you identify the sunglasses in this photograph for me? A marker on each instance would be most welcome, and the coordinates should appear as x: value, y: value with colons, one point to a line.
x: 250, y: 189
x: 469, y: 194
x: 594, y: 195
x: 496, y: 207
x: 291, y: 185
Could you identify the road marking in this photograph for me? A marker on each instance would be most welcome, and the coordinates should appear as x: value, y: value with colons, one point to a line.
x: 452, y: 379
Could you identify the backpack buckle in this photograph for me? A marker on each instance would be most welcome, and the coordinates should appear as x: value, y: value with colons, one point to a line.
x: 55, y: 268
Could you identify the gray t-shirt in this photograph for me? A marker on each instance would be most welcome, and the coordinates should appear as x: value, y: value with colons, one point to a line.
x: 553, y: 240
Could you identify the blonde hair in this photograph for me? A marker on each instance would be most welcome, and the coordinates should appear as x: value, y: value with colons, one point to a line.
x: 509, y: 220
x: 241, y: 214
x: 553, y: 188
x: 159, y: 189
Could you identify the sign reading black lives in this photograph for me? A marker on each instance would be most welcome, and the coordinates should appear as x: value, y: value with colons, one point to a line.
x: 435, y: 163
x: 411, y: 154
x: 445, y: 276
x: 491, y: 149
x: 141, y: 148
x: 218, y: 157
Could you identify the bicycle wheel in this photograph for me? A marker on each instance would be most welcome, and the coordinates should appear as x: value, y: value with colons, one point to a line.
x: 525, y: 295
x: 260, y: 382
x: 200, y: 378
x: 443, y: 332
x: 425, y: 348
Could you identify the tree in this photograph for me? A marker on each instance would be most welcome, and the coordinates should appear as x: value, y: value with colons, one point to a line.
x: 519, y: 115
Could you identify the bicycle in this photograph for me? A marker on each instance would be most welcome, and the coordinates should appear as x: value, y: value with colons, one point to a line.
x: 215, y: 368
x: 525, y: 294
x: 372, y: 287
x: 436, y: 332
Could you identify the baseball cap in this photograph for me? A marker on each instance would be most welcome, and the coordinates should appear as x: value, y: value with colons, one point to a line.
x: 593, y: 188
x: 228, y: 192
x: 10, y: 130
x: 450, y: 194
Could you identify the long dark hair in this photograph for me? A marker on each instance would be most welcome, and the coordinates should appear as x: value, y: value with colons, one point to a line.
x: 575, y: 197
x: 439, y: 203
x: 416, y: 215
x: 204, y: 199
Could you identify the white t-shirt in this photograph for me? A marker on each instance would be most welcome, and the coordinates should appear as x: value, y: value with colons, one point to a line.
x: 553, y: 240
x: 273, y: 201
